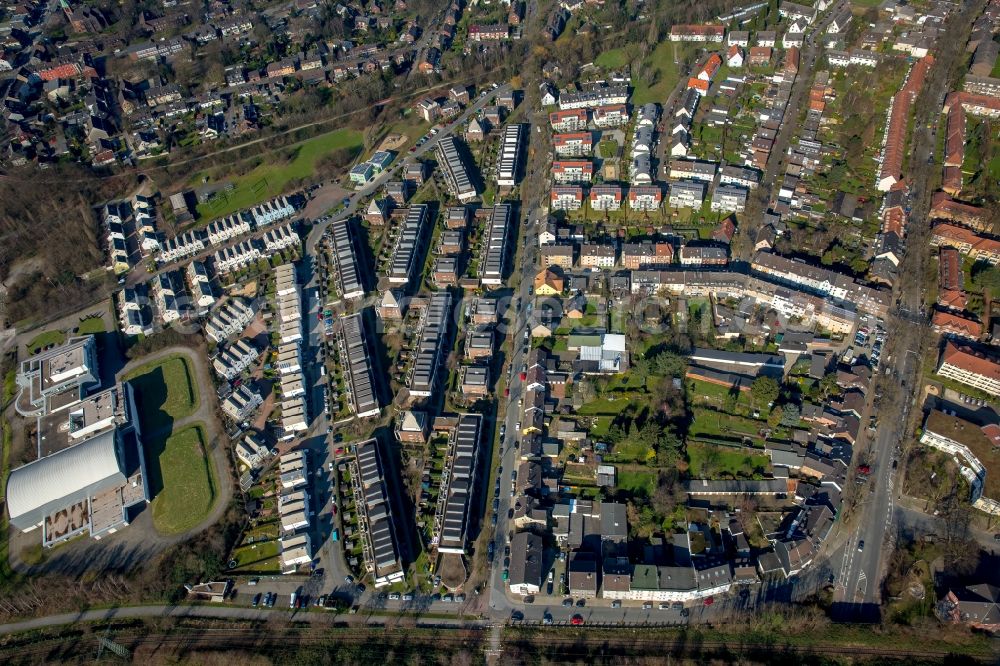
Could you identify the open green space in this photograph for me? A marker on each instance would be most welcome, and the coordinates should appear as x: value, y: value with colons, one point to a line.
x: 713, y: 423
x: 261, y: 557
x: 708, y: 461
x: 44, y: 339
x: 664, y: 74
x: 995, y: 73
x: 716, y: 395
x: 613, y: 59
x: 91, y: 326
x: 275, y: 172
x: 164, y: 392
x: 182, y: 477
x: 637, y: 482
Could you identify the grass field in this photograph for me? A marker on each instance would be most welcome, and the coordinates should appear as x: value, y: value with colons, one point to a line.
x: 613, y: 59
x: 668, y: 72
x: 708, y: 422
x: 45, y: 339
x: 165, y: 391
x: 710, y: 461
x: 277, y: 170
x: 996, y: 69
x: 637, y: 482
x: 183, y: 480
x: 91, y: 326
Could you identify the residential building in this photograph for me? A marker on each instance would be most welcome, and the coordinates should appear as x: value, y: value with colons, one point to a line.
x: 456, y: 170
x: 566, y: 197
x: 605, y: 197
x: 697, y: 33
x: 686, y: 194
x: 594, y: 255
x: 971, y: 367
x: 572, y: 171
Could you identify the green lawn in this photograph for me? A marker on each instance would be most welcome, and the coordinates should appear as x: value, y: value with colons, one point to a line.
x: 637, y: 482
x: 164, y: 392
x: 996, y: 69
x: 272, y: 177
x: 183, y: 480
x: 715, y: 395
x: 612, y: 59
x: 45, y: 339
x: 710, y: 461
x: 711, y: 423
x: 258, y: 557
x: 91, y: 326
x: 666, y: 74
x: 609, y: 406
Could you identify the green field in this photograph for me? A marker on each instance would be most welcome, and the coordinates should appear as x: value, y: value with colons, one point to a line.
x: 711, y: 423
x: 667, y: 72
x: 44, y: 339
x: 164, y: 392
x: 637, y: 482
x: 996, y: 69
x: 613, y: 59
x: 274, y: 174
x: 710, y: 461
x: 715, y: 395
x: 91, y: 326
x: 182, y: 478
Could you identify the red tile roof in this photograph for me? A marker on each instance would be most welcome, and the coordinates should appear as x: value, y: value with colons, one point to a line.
x: 698, y: 84
x: 966, y: 359
x: 947, y: 322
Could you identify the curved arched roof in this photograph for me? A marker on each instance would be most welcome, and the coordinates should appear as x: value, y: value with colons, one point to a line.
x: 61, y: 479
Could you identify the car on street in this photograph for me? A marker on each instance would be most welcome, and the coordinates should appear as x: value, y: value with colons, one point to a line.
x: 616, y: 603
x: 647, y: 605
x: 349, y: 580
x: 395, y: 596
x: 567, y: 602
x: 576, y: 620
x: 861, y: 545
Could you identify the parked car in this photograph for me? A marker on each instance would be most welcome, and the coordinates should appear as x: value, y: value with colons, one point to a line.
x: 576, y: 620
x: 256, y: 601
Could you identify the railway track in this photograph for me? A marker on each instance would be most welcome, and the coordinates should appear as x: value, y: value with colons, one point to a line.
x: 281, y: 641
